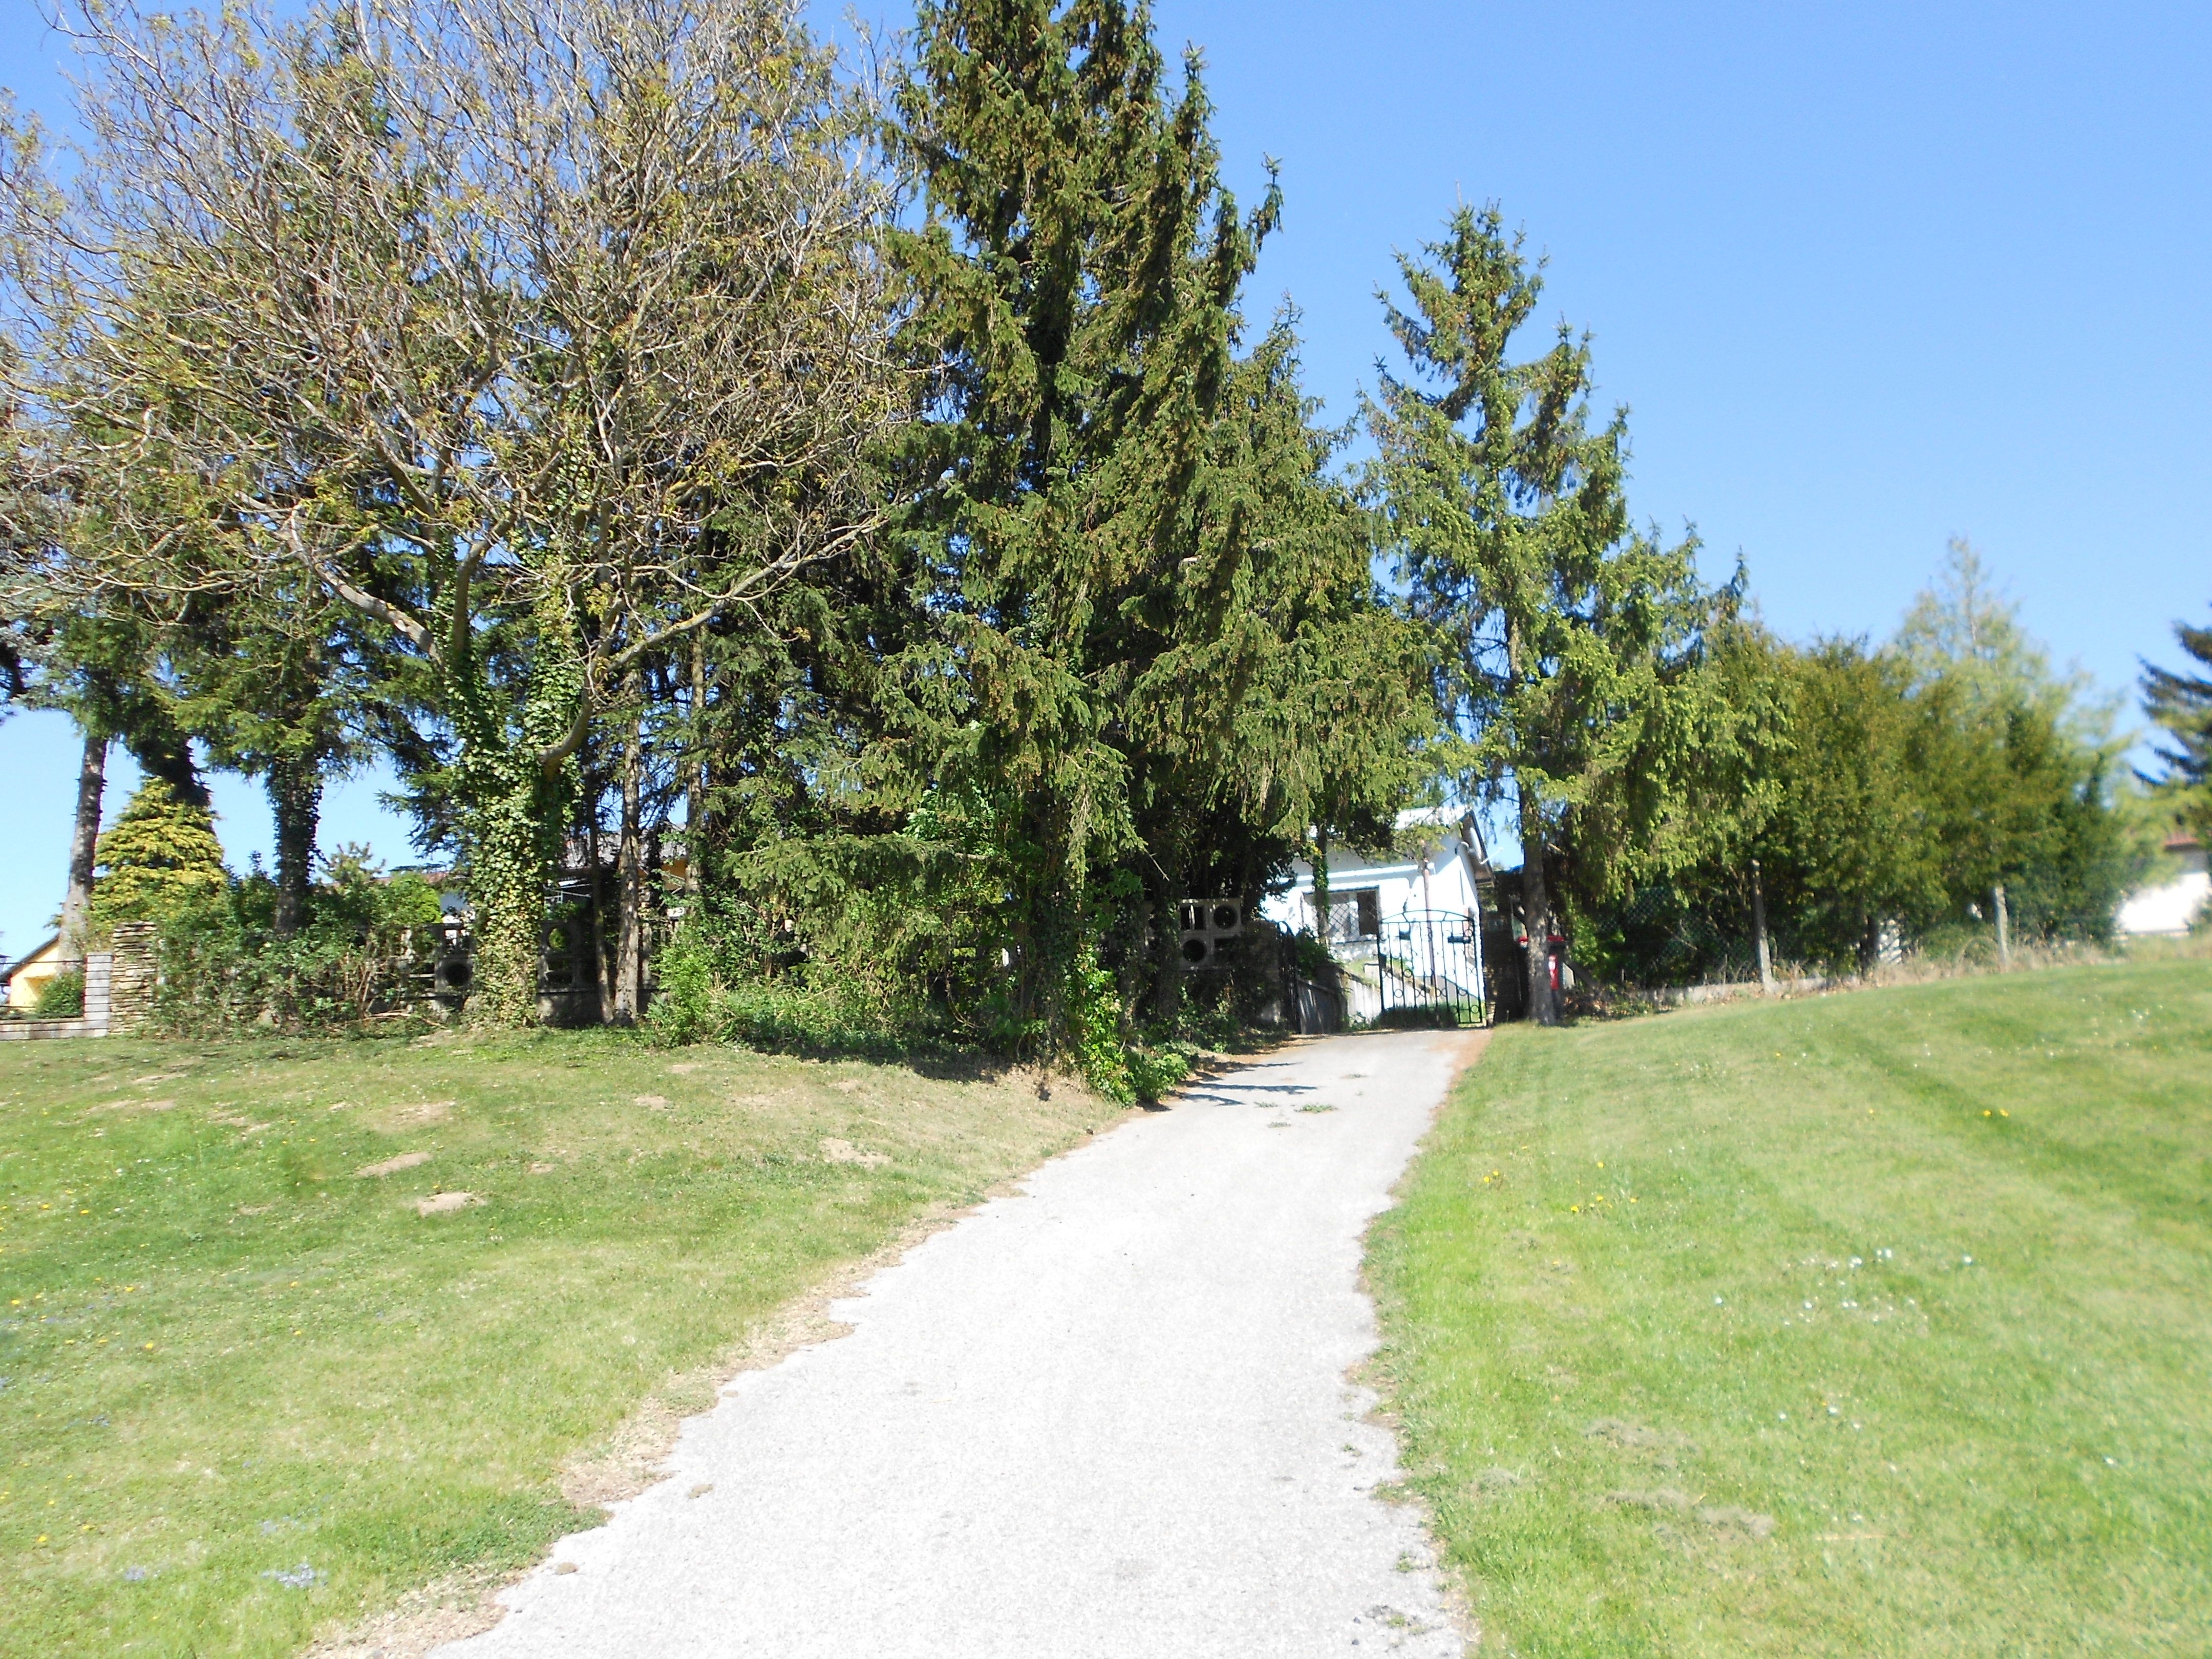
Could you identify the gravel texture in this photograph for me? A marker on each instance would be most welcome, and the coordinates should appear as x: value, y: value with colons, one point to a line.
x: 1109, y: 1415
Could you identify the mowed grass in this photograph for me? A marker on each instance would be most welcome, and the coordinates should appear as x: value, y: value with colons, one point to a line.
x: 1876, y: 1324
x: 248, y: 1395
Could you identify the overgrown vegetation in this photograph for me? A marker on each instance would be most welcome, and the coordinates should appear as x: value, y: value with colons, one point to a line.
x: 1903, y: 785
x: 868, y: 538
x: 1867, y: 1324
x: 252, y: 1393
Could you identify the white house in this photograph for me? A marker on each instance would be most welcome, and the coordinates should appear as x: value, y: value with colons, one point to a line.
x: 1406, y: 926
x: 2173, y: 904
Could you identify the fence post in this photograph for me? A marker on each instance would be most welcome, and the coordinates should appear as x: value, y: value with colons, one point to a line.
x: 2004, y: 930
x: 1759, y: 933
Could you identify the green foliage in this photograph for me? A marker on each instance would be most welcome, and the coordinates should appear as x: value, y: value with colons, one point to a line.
x: 1095, y: 1016
x: 1909, y: 782
x: 2180, y: 701
x: 61, y: 997
x: 1154, y: 655
x: 1154, y: 1070
x: 1570, y: 648
x: 159, y: 862
x: 359, y: 957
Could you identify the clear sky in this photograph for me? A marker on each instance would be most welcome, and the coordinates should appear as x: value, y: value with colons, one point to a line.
x: 1867, y: 275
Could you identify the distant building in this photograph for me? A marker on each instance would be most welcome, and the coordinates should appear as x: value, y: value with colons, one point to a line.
x: 1407, y: 927
x: 27, y: 976
x: 1438, y: 865
x: 2173, y: 904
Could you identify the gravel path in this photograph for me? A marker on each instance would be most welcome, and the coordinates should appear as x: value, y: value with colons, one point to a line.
x: 1108, y: 1416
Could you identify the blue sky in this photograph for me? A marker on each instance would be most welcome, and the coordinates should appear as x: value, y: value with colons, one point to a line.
x: 1867, y: 275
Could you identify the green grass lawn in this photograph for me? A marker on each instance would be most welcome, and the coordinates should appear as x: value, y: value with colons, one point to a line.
x: 248, y: 1394
x: 1873, y: 1324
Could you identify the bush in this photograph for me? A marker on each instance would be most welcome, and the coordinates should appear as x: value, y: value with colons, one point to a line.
x: 217, y: 975
x: 61, y: 997
x: 362, y: 954
x: 161, y: 860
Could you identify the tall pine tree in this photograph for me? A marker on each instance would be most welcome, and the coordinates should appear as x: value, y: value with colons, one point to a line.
x: 1073, y: 298
x: 1564, y: 639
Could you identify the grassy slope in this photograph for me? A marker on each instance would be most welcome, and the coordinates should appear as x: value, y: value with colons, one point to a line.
x: 226, y: 1355
x: 1743, y: 1236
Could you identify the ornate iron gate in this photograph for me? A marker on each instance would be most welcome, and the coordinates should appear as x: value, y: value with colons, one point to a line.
x: 1426, y: 968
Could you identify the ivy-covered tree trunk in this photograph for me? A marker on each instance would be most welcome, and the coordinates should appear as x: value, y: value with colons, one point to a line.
x: 295, y: 802
x: 516, y: 785
x: 695, y: 798
x: 629, y: 870
x: 84, y: 842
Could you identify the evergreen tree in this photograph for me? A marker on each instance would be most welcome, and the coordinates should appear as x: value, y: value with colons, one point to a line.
x: 159, y: 860
x: 1567, y: 644
x: 2181, y: 702
x: 1074, y: 303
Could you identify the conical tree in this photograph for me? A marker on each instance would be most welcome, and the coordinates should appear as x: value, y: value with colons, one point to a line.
x: 1073, y: 302
x: 160, y: 859
x: 2181, y: 702
x: 1561, y: 633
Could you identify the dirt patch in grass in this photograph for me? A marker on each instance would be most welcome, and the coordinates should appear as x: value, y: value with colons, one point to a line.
x: 414, y: 1115
x: 392, y: 1166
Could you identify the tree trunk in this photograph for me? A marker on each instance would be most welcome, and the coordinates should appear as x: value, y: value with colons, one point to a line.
x: 602, y: 965
x: 295, y: 802
x: 162, y: 753
x: 1167, y: 986
x: 694, y: 800
x: 1130, y: 981
x: 2004, y: 930
x: 1321, y: 881
x: 84, y: 843
x: 1536, y: 910
x: 1759, y: 932
x: 630, y: 868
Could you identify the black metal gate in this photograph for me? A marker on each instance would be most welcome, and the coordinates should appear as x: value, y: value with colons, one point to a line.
x: 1427, y: 969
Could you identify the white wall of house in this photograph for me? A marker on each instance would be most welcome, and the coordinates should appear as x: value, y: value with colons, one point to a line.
x: 1436, y: 868
x: 2172, y: 905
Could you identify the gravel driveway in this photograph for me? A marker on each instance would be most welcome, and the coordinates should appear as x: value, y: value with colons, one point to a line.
x: 1108, y: 1416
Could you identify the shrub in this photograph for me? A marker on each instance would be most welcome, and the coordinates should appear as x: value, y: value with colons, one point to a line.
x: 61, y: 997
x: 159, y: 860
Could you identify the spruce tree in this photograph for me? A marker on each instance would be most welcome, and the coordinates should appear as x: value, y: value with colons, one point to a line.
x: 1566, y: 640
x: 161, y: 860
x: 1073, y: 290
x: 2181, y: 702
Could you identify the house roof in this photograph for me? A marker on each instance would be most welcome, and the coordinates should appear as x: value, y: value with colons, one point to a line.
x: 2182, y: 841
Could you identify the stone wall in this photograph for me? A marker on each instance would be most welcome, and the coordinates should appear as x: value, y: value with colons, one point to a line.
x: 98, y: 981
x: 131, y: 978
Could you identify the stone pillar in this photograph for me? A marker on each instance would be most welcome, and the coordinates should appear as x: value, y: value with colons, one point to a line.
x: 131, y: 978
x: 98, y: 971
